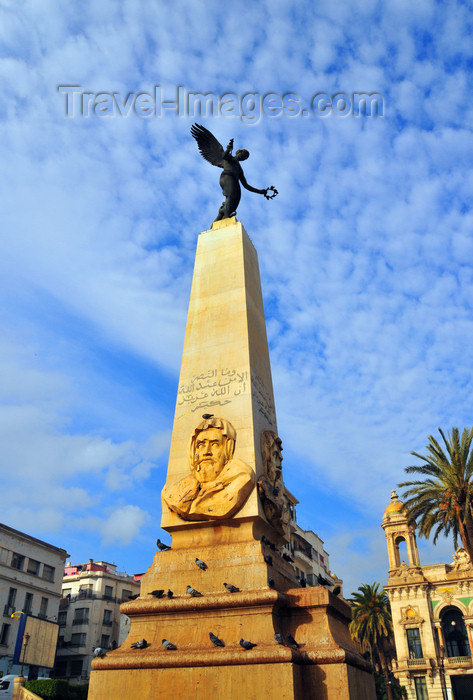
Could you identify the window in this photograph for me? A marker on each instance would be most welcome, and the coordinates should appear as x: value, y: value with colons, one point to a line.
x: 81, y: 616
x: 76, y: 667
x: 78, y: 640
x: 43, y: 608
x: 85, y: 590
x: 108, y: 595
x: 62, y: 618
x: 414, y: 644
x: 105, y: 641
x: 10, y: 606
x: 48, y: 572
x: 11, y: 596
x: 126, y: 594
x: 33, y: 567
x: 17, y: 561
x: 421, y: 688
x: 4, y: 633
x: 107, y: 617
x: 454, y: 633
x: 28, y: 606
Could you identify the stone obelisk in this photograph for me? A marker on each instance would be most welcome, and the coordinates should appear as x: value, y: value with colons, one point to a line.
x: 225, y: 504
x: 225, y: 363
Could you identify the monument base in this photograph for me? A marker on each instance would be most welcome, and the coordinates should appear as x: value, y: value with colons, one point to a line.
x: 323, y: 664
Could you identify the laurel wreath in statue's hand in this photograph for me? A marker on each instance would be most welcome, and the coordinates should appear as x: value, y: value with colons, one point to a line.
x: 273, y: 190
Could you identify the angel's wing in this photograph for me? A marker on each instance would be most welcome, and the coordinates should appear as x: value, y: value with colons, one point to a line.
x: 208, y: 145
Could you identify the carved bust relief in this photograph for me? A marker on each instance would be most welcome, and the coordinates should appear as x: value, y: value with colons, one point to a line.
x: 270, y: 485
x: 218, y: 483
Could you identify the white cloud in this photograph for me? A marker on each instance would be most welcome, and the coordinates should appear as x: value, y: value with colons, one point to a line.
x: 123, y: 524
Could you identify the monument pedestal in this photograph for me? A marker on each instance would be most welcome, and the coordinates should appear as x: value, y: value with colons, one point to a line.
x: 224, y: 491
x: 326, y: 664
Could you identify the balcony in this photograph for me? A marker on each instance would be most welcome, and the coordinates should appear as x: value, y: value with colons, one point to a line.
x: 463, y: 661
x: 81, y: 621
x: 107, y: 623
x: 418, y: 662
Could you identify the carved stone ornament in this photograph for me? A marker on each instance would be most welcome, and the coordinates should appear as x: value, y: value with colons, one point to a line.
x: 406, y: 572
x: 410, y: 616
x: 447, y: 596
x: 270, y: 485
x: 461, y: 560
x: 218, y: 483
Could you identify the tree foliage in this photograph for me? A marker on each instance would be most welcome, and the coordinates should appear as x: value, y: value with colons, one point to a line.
x: 371, y: 614
x: 372, y: 622
x: 441, y: 501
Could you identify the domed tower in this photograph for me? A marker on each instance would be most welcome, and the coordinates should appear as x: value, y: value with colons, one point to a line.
x: 398, y: 528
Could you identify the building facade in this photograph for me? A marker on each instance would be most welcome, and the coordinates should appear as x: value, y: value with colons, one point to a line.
x: 311, y: 561
x: 432, y: 611
x: 89, y: 615
x: 30, y: 585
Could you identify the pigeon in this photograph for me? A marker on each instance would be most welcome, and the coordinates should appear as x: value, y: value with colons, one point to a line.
x: 278, y: 638
x: 201, y: 564
x: 337, y: 590
x: 288, y: 557
x: 169, y: 645
x: 231, y: 588
x: 215, y: 640
x: 99, y: 652
x: 161, y: 546
x: 247, y: 645
x: 169, y: 593
x: 133, y: 597
x: 191, y: 591
x: 323, y: 581
x: 303, y: 583
x: 268, y: 559
x: 292, y: 642
x: 140, y: 644
x: 267, y: 542
x: 157, y: 594
x: 206, y: 416
x: 271, y: 582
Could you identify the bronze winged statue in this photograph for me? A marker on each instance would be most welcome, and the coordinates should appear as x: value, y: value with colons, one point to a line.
x: 232, y: 174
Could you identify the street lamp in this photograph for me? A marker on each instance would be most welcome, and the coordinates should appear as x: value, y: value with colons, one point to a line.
x: 26, y: 639
x: 442, y: 672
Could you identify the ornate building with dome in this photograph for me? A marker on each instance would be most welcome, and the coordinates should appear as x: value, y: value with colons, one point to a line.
x: 432, y: 611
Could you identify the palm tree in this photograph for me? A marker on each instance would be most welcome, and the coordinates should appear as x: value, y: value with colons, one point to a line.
x: 443, y: 499
x: 372, y: 623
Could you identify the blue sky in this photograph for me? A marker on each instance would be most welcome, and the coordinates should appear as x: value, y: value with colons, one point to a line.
x: 366, y: 255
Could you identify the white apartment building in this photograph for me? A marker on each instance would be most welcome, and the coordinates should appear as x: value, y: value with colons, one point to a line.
x: 311, y: 560
x: 30, y: 584
x: 89, y: 615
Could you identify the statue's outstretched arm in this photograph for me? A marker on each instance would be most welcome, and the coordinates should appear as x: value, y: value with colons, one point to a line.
x: 264, y: 192
x: 249, y: 187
